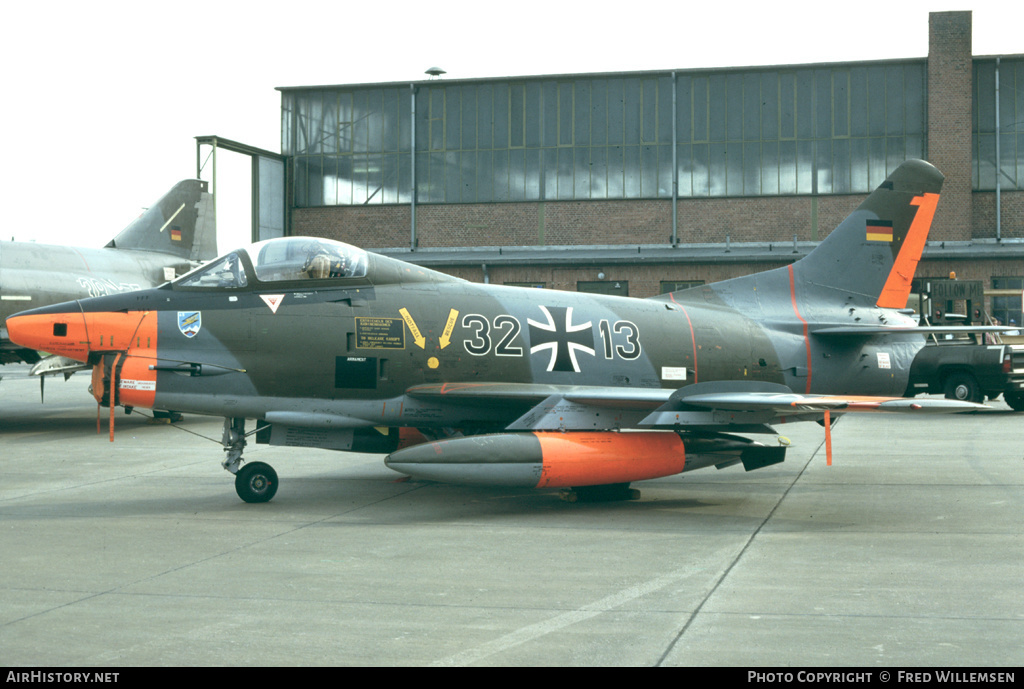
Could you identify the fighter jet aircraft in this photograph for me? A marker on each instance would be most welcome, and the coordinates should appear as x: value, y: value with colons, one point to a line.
x: 329, y: 346
x: 167, y: 240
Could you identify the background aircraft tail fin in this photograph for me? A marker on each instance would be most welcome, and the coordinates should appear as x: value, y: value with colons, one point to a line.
x: 180, y: 224
x: 874, y: 252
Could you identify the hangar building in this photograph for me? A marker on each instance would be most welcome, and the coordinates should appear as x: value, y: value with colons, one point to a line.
x: 640, y: 183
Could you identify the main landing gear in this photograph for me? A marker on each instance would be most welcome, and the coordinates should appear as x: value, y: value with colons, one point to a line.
x: 255, y: 482
x: 612, y: 492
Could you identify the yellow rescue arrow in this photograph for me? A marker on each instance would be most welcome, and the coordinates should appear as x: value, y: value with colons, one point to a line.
x: 420, y: 341
x: 446, y: 336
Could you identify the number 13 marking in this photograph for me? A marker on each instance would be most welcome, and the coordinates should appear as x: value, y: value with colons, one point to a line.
x: 629, y: 351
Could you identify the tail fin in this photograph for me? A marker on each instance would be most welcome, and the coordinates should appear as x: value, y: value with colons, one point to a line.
x: 181, y: 224
x: 875, y: 251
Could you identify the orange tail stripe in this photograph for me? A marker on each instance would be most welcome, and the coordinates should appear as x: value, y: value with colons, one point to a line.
x: 897, y: 286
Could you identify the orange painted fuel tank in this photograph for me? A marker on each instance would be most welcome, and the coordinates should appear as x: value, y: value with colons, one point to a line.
x: 598, y: 458
x: 545, y: 459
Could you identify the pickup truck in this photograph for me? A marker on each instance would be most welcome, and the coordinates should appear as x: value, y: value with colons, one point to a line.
x: 969, y: 371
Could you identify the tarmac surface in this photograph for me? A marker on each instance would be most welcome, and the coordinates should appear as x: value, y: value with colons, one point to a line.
x: 908, y: 551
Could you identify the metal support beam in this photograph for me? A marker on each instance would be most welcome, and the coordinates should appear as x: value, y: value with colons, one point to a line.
x: 255, y: 154
x: 412, y: 153
x: 675, y: 167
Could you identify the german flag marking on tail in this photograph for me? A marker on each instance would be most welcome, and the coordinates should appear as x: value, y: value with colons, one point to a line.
x: 879, y: 230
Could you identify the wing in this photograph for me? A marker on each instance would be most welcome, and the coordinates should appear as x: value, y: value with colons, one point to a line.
x: 867, y: 331
x: 645, y: 398
x: 53, y: 365
x: 553, y: 407
x: 686, y: 429
x: 738, y: 406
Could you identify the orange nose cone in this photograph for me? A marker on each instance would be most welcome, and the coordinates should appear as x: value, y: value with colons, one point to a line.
x: 56, y: 333
x: 75, y: 335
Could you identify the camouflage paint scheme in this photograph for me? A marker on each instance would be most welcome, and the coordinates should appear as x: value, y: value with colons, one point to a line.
x: 169, y: 239
x: 329, y: 346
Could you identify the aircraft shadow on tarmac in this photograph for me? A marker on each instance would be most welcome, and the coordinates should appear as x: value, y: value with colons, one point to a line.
x: 361, y: 496
x: 65, y: 422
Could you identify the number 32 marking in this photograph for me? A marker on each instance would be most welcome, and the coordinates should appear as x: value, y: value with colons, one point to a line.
x: 507, y: 328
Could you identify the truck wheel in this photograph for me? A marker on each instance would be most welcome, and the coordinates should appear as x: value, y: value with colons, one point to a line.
x: 963, y: 386
x: 1015, y: 400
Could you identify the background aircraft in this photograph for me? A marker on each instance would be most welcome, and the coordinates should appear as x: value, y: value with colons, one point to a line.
x: 167, y: 240
x: 329, y: 346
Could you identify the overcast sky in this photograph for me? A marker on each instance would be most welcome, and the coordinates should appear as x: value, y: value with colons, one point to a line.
x: 103, y: 99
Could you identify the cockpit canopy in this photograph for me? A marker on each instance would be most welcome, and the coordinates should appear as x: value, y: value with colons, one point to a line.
x: 286, y: 259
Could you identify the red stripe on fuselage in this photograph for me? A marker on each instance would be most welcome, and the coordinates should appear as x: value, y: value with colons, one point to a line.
x: 796, y: 310
x: 692, y: 338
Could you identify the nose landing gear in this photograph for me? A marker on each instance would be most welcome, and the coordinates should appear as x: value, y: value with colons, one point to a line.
x: 255, y: 482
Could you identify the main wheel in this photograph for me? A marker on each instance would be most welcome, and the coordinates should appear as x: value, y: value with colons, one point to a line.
x: 964, y: 387
x: 1015, y: 400
x: 604, y: 493
x: 256, y: 482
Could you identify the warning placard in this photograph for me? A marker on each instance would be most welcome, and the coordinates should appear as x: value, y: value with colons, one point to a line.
x: 380, y: 333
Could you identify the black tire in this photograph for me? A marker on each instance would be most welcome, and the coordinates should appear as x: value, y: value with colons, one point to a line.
x: 1015, y: 400
x: 256, y: 482
x: 962, y: 386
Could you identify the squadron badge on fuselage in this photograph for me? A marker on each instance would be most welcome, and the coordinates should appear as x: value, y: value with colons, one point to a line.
x: 189, y: 322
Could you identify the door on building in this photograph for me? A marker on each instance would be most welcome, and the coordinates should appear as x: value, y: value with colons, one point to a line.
x: 619, y: 288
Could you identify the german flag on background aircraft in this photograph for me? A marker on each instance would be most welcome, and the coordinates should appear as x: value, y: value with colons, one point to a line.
x: 879, y: 230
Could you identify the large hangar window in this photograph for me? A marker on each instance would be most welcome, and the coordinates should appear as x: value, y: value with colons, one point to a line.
x: 1008, y: 308
x: 835, y: 129
x: 1001, y: 146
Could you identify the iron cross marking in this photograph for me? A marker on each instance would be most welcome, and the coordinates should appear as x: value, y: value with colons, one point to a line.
x: 561, y: 338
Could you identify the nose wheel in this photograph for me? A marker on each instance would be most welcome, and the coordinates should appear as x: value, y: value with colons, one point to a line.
x: 256, y: 482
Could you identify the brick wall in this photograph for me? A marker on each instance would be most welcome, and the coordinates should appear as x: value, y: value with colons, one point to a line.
x: 949, y: 119
x: 701, y: 221
x: 369, y: 226
x: 587, y: 223
x: 645, y: 280
x: 983, y: 215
